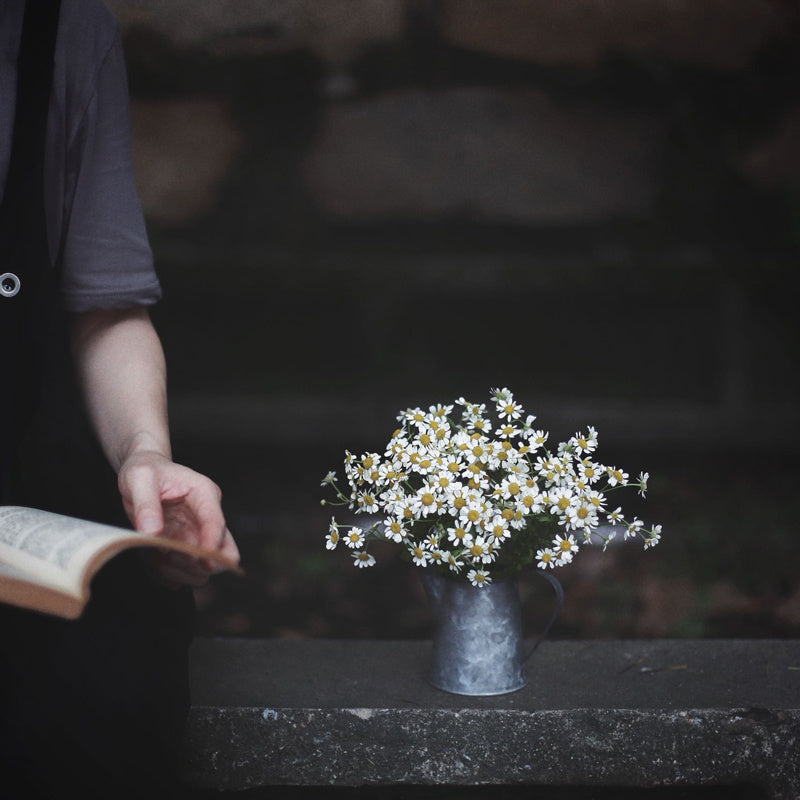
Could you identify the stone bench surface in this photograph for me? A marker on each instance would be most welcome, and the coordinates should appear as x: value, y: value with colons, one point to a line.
x: 647, y: 713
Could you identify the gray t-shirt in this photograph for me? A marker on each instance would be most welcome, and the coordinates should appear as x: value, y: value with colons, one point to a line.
x: 93, y: 208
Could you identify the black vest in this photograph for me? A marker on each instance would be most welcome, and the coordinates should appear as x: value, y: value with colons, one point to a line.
x: 48, y: 457
x: 27, y: 290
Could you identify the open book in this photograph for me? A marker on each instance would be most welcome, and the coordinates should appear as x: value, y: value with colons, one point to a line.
x: 47, y: 561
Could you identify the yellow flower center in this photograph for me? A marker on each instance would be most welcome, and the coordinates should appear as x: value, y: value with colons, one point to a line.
x: 427, y: 499
x: 563, y: 503
x: 473, y: 515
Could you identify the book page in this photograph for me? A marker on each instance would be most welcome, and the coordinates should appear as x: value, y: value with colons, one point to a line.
x: 51, y: 546
x: 26, y: 591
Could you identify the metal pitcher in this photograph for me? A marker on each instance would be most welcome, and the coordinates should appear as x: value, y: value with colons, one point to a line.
x: 477, y: 642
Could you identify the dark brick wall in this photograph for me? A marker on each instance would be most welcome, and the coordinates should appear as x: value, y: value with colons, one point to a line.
x: 359, y: 205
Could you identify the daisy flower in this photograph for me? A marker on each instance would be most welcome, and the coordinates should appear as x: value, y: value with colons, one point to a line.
x: 471, y: 515
x: 366, y: 502
x: 498, y: 528
x: 424, y: 502
x: 653, y: 538
x: 510, y: 487
x: 545, y: 558
x: 564, y: 547
x: 608, y: 539
x: 329, y: 478
x: 582, y: 515
x: 418, y: 555
x: 633, y: 528
x: 394, y: 529
x: 477, y: 449
x: 332, y: 539
x: 453, y: 563
x: 478, y: 577
x: 596, y: 499
x: 458, y: 536
x: 481, y: 550
x: 507, y: 407
x: 584, y: 443
x: 362, y: 558
x: 507, y: 431
x: 616, y: 476
x: 590, y: 471
x: 354, y: 537
x: 561, y: 500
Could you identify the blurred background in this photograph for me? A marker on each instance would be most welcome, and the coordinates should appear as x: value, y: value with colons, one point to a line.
x: 358, y: 206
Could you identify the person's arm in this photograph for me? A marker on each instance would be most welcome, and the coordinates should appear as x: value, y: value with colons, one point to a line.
x: 122, y: 372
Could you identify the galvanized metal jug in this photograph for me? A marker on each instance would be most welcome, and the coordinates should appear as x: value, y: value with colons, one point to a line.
x: 477, y: 642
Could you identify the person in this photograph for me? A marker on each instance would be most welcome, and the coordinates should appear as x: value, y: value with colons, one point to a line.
x: 95, y: 705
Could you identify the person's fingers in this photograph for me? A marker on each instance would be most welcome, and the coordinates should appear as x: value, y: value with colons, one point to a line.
x: 140, y: 490
x: 203, y: 501
x: 228, y: 549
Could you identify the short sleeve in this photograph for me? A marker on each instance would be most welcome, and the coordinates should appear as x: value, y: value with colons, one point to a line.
x: 106, y: 257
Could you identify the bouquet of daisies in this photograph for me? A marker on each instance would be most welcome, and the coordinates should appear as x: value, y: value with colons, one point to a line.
x: 480, y: 495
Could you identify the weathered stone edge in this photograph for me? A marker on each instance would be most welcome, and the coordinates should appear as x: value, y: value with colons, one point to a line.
x: 241, y: 748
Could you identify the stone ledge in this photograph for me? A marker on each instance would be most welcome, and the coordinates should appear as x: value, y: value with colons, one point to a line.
x: 595, y: 713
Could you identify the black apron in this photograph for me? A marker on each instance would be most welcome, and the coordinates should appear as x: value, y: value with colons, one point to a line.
x: 94, y: 706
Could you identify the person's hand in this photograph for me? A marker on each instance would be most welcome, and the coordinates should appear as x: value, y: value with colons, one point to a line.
x: 162, y: 498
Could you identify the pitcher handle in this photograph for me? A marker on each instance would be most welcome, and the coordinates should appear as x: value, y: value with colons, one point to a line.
x: 559, y: 590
